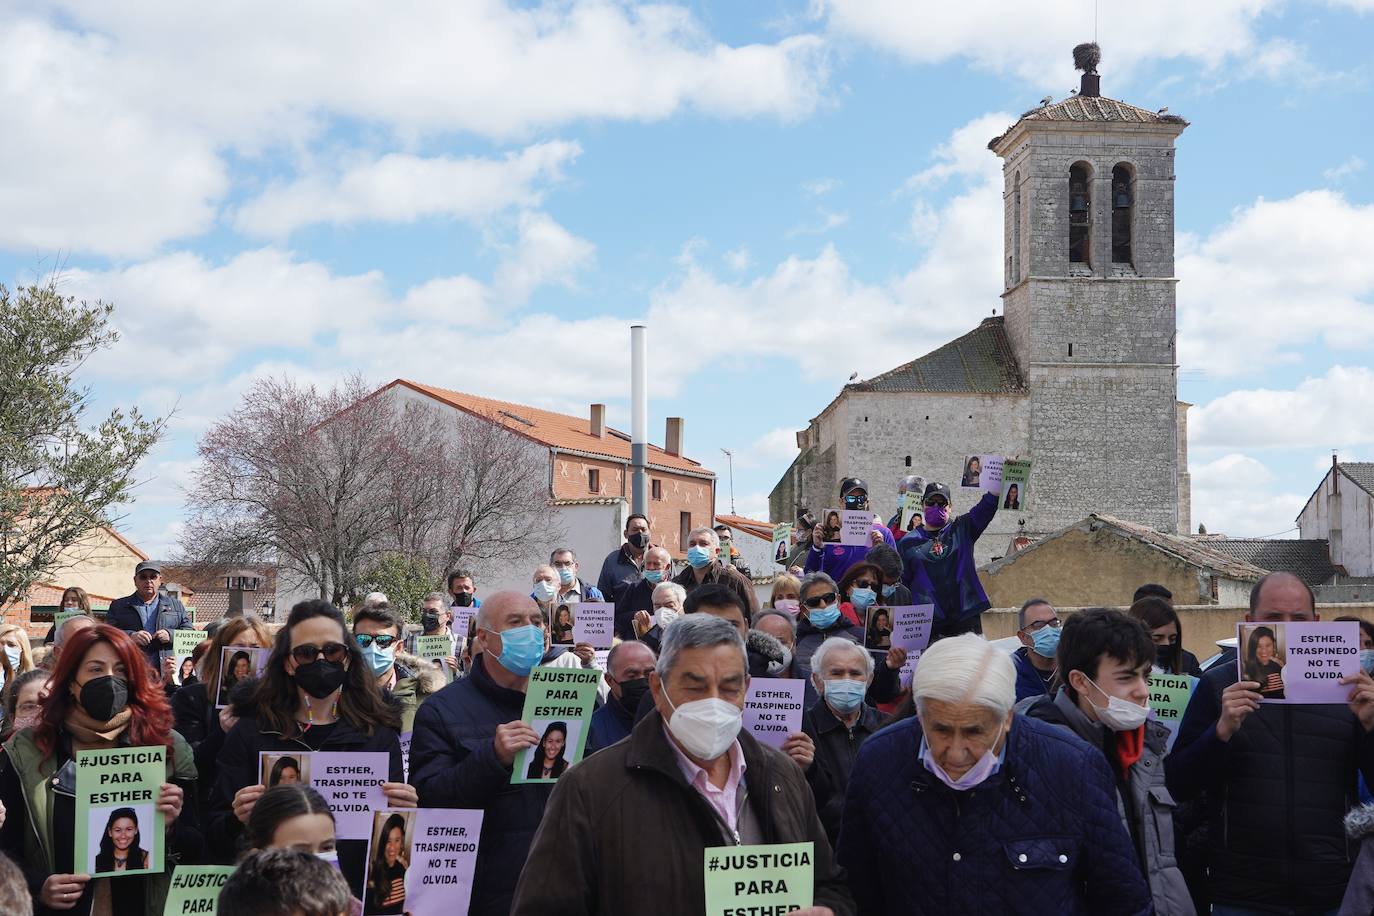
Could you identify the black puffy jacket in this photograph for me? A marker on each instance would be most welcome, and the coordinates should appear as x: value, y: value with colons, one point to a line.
x: 1275, y: 796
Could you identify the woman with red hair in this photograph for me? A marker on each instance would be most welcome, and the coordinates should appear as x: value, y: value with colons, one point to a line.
x: 100, y: 697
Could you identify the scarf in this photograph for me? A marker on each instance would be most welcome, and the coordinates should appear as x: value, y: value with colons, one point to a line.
x: 91, y: 733
x: 1129, y: 746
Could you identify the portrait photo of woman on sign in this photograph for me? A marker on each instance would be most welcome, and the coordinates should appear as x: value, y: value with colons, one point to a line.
x: 1264, y: 661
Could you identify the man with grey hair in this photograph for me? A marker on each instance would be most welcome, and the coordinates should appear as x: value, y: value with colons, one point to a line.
x: 686, y: 779
x: 705, y: 568
x: 571, y: 589
x: 70, y: 627
x: 839, y: 723
x: 627, y: 675
x: 1005, y: 814
x: 638, y: 596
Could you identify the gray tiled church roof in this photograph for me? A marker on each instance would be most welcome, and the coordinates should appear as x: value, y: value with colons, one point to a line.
x: 1362, y: 472
x: 1092, y: 109
x: 1309, y: 560
x: 980, y: 362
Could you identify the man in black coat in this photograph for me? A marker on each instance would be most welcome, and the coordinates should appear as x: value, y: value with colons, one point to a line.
x: 149, y: 616
x: 1278, y: 778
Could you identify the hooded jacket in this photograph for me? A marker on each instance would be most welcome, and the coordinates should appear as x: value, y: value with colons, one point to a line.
x: 835, y: 559
x: 416, y: 681
x: 1143, y: 800
x: 941, y: 568
x: 631, y: 801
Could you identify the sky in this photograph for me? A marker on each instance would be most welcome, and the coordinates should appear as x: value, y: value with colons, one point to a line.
x: 485, y: 196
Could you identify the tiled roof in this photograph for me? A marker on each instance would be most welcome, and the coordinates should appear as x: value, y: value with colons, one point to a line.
x: 1198, y: 553
x: 556, y: 430
x: 590, y: 501
x: 1309, y: 560
x: 1362, y: 472
x: 747, y: 525
x: 1092, y: 110
x: 980, y: 362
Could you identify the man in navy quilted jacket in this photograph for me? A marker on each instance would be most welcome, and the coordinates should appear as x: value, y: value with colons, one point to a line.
x: 973, y: 809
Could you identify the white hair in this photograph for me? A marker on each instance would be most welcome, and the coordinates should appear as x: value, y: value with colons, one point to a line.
x: 671, y: 588
x: 715, y: 538
x: 839, y: 644
x: 375, y: 600
x: 967, y: 670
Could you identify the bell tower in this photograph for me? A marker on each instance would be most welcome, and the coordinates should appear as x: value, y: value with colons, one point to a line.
x: 1089, y: 301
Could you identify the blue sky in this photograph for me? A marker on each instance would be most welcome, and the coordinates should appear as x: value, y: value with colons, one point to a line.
x: 485, y: 195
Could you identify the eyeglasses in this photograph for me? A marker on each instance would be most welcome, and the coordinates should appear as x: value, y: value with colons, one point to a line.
x: 334, y: 652
x: 1041, y: 624
x: 383, y: 640
x: 820, y: 600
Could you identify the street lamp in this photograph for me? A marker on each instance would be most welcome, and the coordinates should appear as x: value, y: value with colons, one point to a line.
x: 730, y: 460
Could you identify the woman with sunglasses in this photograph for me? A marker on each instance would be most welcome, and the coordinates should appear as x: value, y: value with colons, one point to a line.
x: 193, y: 706
x: 820, y: 618
x: 100, y: 698
x: 317, y: 693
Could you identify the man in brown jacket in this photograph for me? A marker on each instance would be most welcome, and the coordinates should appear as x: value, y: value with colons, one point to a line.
x: 625, y: 831
x: 704, y: 566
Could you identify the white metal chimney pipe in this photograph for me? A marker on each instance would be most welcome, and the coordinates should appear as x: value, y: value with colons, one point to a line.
x: 639, y: 420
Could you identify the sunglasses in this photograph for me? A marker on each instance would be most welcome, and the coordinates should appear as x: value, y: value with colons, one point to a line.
x: 820, y: 600
x: 864, y: 583
x: 936, y: 501
x: 334, y: 652
x: 383, y: 640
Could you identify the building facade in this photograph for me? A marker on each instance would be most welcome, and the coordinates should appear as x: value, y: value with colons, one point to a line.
x: 1341, y: 511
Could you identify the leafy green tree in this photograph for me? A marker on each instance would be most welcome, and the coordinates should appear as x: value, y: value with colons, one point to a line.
x: 61, y: 477
x: 404, y: 580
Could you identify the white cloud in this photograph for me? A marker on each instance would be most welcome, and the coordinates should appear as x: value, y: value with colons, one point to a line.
x: 1239, y: 496
x: 1328, y: 411
x: 1279, y: 275
x: 1034, y: 40
x: 826, y: 221
x: 1349, y: 167
x: 543, y: 253
x: 460, y: 300
x: 776, y: 447
x: 401, y: 188
x: 819, y: 187
x: 739, y: 259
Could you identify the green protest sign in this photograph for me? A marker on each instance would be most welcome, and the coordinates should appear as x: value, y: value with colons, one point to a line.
x: 62, y: 617
x: 184, y: 642
x: 119, y: 830
x: 777, y: 878
x: 1015, y: 482
x: 195, y: 889
x: 1169, y: 695
x: 435, y: 650
x: 558, y: 706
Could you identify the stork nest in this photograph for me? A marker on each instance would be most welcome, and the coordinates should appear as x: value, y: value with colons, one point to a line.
x: 1087, y: 56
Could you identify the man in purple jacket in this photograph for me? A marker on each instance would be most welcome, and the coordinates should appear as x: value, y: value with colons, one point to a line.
x: 835, y: 559
x: 939, y: 561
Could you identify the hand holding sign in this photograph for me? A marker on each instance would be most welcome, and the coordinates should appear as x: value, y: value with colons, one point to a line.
x: 1361, y: 700
x: 1237, y: 702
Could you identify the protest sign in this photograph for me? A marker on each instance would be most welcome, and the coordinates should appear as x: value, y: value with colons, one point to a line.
x: 405, y: 753
x: 237, y: 663
x: 117, y: 820
x: 1299, y: 662
x: 911, y: 511
x: 1016, y: 483
x: 558, y: 706
x: 911, y: 631
x: 776, y: 878
x: 462, y: 617
x: 351, y: 782
x: 878, y: 628
x: 432, y: 650
x: 856, y: 528
x: 773, y: 708
x: 422, y: 861
x: 782, y: 543
x: 594, y: 624
x: 184, y: 643
x: 1169, y: 696
x: 59, y: 617
x: 982, y: 472
x: 195, y: 889
x: 191, y: 612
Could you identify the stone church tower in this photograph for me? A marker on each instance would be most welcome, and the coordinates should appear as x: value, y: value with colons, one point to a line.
x: 1090, y: 306
x: 1078, y: 373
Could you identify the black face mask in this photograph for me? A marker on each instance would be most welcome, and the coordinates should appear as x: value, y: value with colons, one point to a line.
x: 103, y: 698
x: 462, y: 599
x: 430, y: 622
x: 320, y: 678
x: 639, y: 540
x: 1164, y: 657
x: 632, y: 692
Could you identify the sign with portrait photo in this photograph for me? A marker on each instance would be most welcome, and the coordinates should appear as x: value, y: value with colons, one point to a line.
x: 1299, y: 662
x: 982, y: 472
x: 184, y: 643
x: 350, y: 781
x: 1016, y: 484
x: 558, y: 706
x: 911, y: 625
x: 594, y: 624
x: 119, y: 831
x: 782, y: 544
x: 238, y: 663
x: 422, y: 861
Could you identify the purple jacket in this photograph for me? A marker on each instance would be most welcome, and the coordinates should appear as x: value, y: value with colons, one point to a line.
x: 835, y: 559
x: 941, y: 570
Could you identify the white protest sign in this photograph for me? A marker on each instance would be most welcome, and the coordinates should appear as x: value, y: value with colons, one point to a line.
x: 773, y: 708
x: 911, y: 631
x: 982, y: 472
x: 856, y: 528
x: 434, y: 862
x: 594, y: 623
x: 350, y: 782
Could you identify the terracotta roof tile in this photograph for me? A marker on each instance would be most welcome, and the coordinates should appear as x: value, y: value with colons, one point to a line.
x: 556, y: 430
x: 747, y: 525
x: 1092, y: 110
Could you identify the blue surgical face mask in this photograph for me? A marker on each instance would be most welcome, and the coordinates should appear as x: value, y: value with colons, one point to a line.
x: 521, y: 649
x: 823, y: 618
x: 377, y: 658
x: 862, y: 598
x: 699, y: 557
x: 12, y: 653
x: 1367, y: 661
x: 844, y: 695
x: 1045, y: 642
x: 653, y: 575
x: 566, y: 575
x: 890, y: 590
x: 544, y: 590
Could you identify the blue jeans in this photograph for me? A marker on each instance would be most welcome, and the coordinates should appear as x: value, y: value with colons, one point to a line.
x: 1222, y: 909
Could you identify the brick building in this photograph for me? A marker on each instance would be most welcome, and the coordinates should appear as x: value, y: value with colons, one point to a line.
x: 589, y: 477
x: 1079, y: 373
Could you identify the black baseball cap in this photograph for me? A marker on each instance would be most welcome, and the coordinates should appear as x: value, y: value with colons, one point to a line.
x: 852, y: 483
x: 148, y: 565
x: 936, y: 489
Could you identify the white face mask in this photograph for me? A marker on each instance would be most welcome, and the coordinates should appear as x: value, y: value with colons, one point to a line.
x: 706, y: 728
x: 665, y: 615
x: 544, y: 590
x: 1119, y: 715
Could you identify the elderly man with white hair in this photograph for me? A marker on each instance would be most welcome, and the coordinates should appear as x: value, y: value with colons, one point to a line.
x: 969, y: 808
x: 704, y: 567
x: 839, y: 723
x: 627, y: 829
x: 636, y: 598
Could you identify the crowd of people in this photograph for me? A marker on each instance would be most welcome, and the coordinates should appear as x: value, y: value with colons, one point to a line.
x: 1035, y: 781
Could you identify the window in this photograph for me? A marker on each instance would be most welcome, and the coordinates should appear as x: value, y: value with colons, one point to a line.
x: 656, y: 488
x: 1080, y: 209
x: 684, y: 525
x: 241, y: 583
x: 1215, y: 590
x: 1016, y: 230
x: 908, y: 457
x: 1071, y: 349
x: 1123, y: 197
x: 593, y: 480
